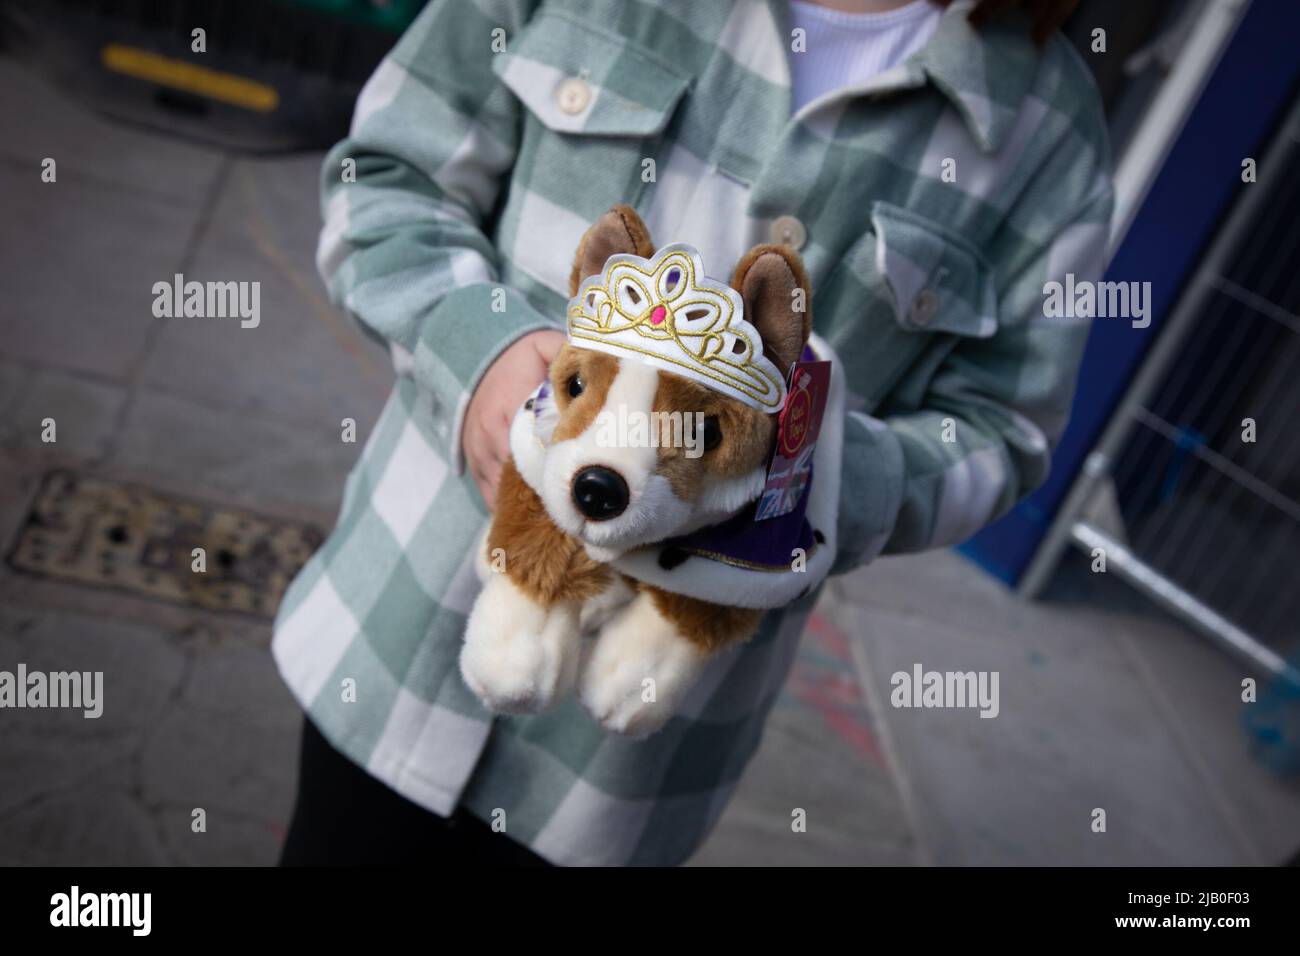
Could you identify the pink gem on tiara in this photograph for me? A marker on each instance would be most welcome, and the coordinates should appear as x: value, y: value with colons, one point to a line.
x: 658, y: 315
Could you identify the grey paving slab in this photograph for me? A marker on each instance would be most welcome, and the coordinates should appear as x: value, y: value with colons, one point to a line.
x: 38, y: 121
x: 48, y: 752
x: 47, y: 596
x: 232, y: 678
x: 84, y: 413
x: 80, y: 261
x: 252, y: 460
x: 98, y: 822
x: 1079, y: 727
x: 851, y: 818
x: 1199, y: 688
x: 228, y: 840
x: 235, y: 763
x: 821, y: 755
x: 304, y: 361
x: 755, y: 839
x: 141, y: 669
x: 940, y: 587
x: 190, y: 720
x: 39, y: 768
x: 13, y: 379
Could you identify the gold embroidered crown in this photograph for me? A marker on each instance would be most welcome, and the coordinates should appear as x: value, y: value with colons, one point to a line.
x: 667, y: 312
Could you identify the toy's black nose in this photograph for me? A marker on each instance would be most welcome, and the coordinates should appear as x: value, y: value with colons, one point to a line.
x: 600, y: 493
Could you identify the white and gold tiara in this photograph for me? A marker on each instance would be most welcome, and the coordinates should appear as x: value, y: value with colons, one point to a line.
x: 667, y: 312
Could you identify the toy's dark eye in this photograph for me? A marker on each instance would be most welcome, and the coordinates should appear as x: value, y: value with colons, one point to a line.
x: 576, y: 385
x: 712, y: 433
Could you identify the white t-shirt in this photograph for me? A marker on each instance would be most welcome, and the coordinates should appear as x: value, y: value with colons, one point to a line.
x: 845, y: 49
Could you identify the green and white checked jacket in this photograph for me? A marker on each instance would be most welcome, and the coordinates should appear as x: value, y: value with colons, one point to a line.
x: 930, y: 205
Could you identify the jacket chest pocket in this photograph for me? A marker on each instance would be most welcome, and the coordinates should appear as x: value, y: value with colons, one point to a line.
x: 593, y: 102
x: 924, y: 289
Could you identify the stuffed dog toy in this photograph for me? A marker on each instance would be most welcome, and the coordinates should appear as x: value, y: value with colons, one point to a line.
x: 644, y: 535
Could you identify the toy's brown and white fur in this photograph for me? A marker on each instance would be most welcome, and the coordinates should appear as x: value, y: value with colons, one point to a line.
x: 523, y: 645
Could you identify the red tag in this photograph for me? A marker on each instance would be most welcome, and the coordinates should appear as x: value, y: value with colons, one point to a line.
x: 798, y: 425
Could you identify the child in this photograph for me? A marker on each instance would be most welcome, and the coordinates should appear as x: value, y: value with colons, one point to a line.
x: 934, y: 165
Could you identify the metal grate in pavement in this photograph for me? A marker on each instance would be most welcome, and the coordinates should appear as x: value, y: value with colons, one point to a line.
x: 92, y: 531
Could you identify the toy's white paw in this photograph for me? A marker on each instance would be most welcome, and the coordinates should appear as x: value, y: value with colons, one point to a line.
x: 599, y: 609
x: 639, y: 671
x: 518, y: 657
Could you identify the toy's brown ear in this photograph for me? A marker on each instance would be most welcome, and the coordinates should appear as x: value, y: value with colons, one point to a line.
x: 619, y: 230
x: 772, y: 281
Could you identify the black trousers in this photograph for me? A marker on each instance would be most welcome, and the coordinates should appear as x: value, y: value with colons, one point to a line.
x: 345, y: 817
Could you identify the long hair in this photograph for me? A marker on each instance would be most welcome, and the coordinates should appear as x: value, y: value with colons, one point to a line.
x: 1045, y: 15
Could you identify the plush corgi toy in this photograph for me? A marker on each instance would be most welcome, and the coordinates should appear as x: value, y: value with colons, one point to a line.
x: 627, y: 510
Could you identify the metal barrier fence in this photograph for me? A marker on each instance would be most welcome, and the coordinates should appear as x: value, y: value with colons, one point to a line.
x: 1193, y: 492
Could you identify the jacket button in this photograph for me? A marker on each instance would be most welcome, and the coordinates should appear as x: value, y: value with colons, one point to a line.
x: 573, y: 95
x: 924, y: 307
x: 789, y: 231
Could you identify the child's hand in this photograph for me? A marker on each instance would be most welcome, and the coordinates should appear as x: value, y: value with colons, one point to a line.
x: 485, y: 436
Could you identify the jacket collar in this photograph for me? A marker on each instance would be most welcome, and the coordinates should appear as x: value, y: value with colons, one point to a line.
x: 985, y: 73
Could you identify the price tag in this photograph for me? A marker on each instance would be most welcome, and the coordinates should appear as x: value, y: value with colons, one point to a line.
x: 798, y: 426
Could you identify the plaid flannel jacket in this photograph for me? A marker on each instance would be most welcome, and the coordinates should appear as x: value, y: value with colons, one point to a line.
x: 930, y: 206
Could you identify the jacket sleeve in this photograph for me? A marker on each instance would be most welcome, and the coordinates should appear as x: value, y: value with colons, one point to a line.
x: 406, y: 196
x: 981, y: 437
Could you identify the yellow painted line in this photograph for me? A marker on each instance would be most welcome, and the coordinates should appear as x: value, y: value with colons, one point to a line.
x: 180, y: 75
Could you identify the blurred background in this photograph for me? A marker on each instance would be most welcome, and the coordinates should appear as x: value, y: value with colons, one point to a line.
x: 1121, y: 689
